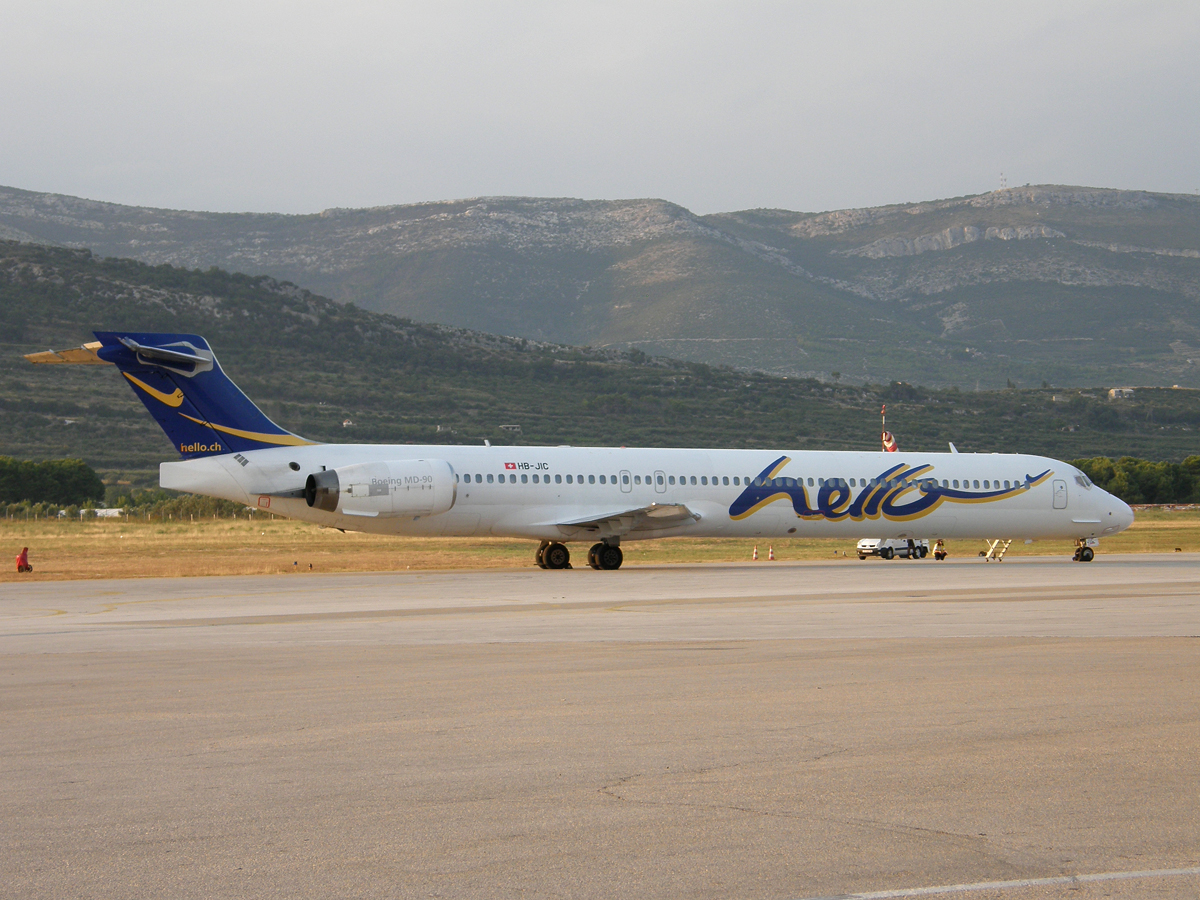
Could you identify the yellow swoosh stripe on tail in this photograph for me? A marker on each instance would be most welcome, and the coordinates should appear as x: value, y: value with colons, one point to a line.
x: 175, y: 399
x: 287, y: 440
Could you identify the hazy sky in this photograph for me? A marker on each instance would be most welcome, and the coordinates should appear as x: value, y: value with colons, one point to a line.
x: 296, y: 107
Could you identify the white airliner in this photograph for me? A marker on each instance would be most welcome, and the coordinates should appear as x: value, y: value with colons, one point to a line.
x: 599, y: 496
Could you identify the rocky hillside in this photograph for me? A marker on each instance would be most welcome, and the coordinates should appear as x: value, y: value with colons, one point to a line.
x: 1064, y: 285
x: 335, y: 372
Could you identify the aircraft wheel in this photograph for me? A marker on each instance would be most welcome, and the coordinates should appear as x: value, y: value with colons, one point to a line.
x: 1078, y: 554
x: 593, y: 557
x: 887, y: 553
x: 540, y: 556
x: 609, y: 557
x: 1087, y: 554
x: 557, y: 556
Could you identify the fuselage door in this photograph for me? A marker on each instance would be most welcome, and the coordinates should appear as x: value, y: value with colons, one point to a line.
x: 1060, y: 494
x: 660, y: 482
x: 626, y: 481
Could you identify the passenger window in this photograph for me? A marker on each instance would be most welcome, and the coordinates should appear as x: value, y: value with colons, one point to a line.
x: 491, y: 478
x: 512, y: 479
x: 724, y: 479
x: 810, y: 482
x: 704, y: 479
x: 535, y: 479
x: 956, y: 482
x: 853, y: 483
x: 591, y: 479
x: 737, y: 481
x: 579, y: 479
x: 570, y: 479
x: 659, y: 479
x: 945, y: 483
x: 602, y: 481
x: 524, y: 479
x: 637, y: 479
x: 558, y: 479
x: 977, y: 483
x: 624, y: 479
x: 1006, y: 484
x: 478, y: 479
x: 670, y: 479
x: 612, y: 479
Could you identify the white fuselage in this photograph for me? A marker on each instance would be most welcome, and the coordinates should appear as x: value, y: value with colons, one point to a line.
x: 577, y: 493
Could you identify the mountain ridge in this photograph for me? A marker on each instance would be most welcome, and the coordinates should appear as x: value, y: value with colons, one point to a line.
x: 1059, y: 284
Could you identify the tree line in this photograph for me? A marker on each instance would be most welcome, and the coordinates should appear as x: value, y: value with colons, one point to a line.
x: 1143, y: 481
x: 59, y: 481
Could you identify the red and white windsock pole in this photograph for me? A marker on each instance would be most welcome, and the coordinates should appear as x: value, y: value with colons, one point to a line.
x: 889, y: 442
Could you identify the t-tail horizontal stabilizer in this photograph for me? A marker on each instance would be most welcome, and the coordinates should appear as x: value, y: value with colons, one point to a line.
x: 181, y: 383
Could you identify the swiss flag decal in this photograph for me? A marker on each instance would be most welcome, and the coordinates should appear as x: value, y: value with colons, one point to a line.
x: 510, y: 465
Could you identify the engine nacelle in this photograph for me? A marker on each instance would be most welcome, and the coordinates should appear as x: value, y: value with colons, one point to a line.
x: 405, y: 487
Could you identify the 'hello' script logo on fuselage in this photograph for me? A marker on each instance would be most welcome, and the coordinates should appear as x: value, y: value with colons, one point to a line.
x: 899, y: 494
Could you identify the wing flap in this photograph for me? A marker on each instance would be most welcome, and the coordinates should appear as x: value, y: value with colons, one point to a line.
x: 654, y: 517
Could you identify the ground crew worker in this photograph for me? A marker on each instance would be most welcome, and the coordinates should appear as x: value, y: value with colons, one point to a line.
x: 23, y: 561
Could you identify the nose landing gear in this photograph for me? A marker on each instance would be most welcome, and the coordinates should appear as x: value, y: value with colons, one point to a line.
x: 1083, y: 553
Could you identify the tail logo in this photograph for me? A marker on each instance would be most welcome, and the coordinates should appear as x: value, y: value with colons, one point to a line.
x: 172, y: 400
x: 283, y: 440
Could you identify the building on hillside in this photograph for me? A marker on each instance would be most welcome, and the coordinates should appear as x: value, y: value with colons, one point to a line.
x: 1120, y: 393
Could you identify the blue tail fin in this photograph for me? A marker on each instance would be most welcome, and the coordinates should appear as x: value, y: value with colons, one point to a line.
x: 201, y: 410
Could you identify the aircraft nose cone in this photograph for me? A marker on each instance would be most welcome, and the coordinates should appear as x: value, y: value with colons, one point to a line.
x: 1122, y: 513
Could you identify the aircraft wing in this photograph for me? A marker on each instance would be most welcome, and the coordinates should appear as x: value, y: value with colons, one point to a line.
x: 654, y: 517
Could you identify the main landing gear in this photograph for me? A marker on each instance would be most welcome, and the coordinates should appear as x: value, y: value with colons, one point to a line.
x: 605, y: 556
x: 553, y: 555
x: 1083, y: 553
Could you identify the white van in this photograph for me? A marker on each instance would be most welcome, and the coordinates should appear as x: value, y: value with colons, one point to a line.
x: 889, y: 548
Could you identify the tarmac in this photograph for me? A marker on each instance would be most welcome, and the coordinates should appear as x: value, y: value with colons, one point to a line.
x: 877, y: 729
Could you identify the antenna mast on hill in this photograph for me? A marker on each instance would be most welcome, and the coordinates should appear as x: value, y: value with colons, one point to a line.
x: 1003, y: 182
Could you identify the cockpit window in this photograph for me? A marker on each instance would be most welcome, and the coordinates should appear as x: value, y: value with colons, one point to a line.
x: 1083, y: 481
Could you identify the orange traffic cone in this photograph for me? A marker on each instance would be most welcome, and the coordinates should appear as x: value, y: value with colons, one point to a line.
x: 754, y: 555
x: 770, y: 553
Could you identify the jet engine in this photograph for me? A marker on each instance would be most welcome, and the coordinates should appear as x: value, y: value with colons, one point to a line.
x: 405, y: 487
